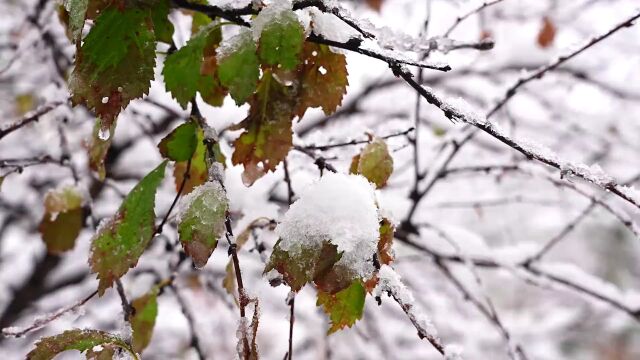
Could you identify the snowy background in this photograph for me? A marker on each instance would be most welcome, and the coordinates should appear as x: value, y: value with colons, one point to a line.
x: 467, y: 267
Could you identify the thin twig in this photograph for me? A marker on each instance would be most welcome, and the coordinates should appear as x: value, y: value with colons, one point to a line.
x: 29, y: 118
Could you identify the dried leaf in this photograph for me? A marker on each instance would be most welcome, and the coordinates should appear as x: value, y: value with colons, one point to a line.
x: 323, y: 77
x: 547, y: 33
x: 385, y: 252
x: 375, y: 4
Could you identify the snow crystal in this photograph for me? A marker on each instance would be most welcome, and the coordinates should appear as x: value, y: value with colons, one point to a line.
x: 390, y: 282
x: 233, y: 44
x: 338, y: 208
x: 463, y: 111
x: 211, y: 187
x: 593, y: 173
x: 331, y: 27
x: 453, y: 352
x: 270, y: 13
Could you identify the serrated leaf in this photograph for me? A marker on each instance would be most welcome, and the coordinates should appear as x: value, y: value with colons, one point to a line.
x: 301, y: 267
x: 202, y: 221
x: 62, y: 219
x: 98, y: 146
x: 115, y: 63
x: 374, y: 163
x: 239, y: 69
x: 181, y: 143
x: 144, y: 319
x: 162, y: 27
x: 324, y: 79
x: 77, y: 10
x: 198, y: 172
x: 82, y: 340
x: 120, y: 241
x: 267, y: 138
x: 343, y: 307
x: 183, y: 70
x: 281, y: 40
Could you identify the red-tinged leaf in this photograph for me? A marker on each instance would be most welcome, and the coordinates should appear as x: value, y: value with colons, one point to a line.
x: 374, y: 163
x: 99, y: 145
x: 547, y: 33
x: 375, y: 4
x: 62, y: 220
x: 308, y: 264
x: 267, y: 138
x: 82, y: 340
x: 144, y: 319
x: 115, y: 63
x: 202, y: 221
x: 344, y: 307
x: 323, y: 77
x: 120, y: 241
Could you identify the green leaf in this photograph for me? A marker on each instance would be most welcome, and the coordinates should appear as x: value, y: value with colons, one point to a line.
x: 82, y: 340
x: 121, y: 240
x: 144, y: 319
x: 185, y: 72
x: 281, y: 40
x: 77, y: 10
x: 324, y: 79
x: 239, y: 69
x: 199, y: 170
x: 181, y: 143
x: 375, y: 163
x: 62, y: 219
x: 308, y: 264
x: 115, y: 63
x: 162, y: 27
x: 267, y: 138
x: 202, y: 221
x: 343, y: 307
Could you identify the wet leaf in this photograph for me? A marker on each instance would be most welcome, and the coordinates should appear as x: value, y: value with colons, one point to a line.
x: 344, y: 307
x: 375, y: 163
x: 281, y: 41
x: 82, y: 340
x: 324, y: 79
x: 144, y: 319
x: 181, y: 143
x: 267, y: 138
x: 115, y: 63
x: 120, y: 241
x: 202, y: 221
x: 239, y: 70
x: 62, y: 219
x: 98, y: 146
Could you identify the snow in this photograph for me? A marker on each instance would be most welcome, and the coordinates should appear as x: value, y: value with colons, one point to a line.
x: 453, y: 352
x: 276, y: 11
x: 331, y: 27
x: 389, y: 281
x: 338, y: 208
x: 210, y: 189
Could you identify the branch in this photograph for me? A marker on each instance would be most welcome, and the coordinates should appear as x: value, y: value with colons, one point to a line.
x: 542, y: 71
x: 461, y: 18
x: 353, y: 142
x: 29, y: 118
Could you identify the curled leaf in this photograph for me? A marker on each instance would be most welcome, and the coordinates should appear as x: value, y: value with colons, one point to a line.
x: 374, y: 163
x: 62, y: 220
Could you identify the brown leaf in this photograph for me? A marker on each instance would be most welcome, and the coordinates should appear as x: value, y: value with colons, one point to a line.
x: 323, y: 79
x: 547, y: 33
x: 375, y: 4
